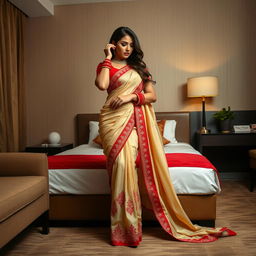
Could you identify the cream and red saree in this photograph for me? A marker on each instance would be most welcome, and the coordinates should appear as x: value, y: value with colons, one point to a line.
x: 126, y: 132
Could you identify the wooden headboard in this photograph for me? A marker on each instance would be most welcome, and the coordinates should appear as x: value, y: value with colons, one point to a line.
x: 182, y: 127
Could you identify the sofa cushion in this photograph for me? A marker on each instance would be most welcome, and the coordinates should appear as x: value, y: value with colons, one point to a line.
x: 17, y: 192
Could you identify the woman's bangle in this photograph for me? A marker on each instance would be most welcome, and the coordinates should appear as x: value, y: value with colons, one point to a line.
x: 137, y: 98
x: 106, y: 67
x: 140, y: 99
x: 107, y: 61
x: 106, y: 64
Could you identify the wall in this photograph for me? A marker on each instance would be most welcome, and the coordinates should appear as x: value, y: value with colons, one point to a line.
x: 180, y: 39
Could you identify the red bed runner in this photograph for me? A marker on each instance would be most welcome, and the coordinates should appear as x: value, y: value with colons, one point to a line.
x: 188, y: 160
x: 99, y: 161
x: 77, y: 162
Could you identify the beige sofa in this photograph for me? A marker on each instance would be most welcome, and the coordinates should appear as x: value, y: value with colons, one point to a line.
x: 24, y: 195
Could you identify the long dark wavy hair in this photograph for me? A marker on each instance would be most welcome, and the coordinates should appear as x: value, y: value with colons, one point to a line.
x: 135, y: 60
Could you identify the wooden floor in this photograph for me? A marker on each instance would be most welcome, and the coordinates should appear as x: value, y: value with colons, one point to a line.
x: 236, y: 209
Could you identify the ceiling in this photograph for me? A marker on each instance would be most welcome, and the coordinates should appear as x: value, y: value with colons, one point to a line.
x: 39, y: 8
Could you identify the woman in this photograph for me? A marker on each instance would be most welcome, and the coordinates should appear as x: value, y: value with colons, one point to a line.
x: 128, y: 128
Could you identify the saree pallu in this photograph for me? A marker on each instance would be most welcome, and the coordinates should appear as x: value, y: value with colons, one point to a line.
x: 126, y: 132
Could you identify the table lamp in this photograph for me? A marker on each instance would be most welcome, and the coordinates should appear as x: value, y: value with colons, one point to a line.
x: 204, y: 86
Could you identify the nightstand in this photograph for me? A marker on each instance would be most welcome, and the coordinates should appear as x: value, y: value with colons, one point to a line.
x: 234, y: 148
x: 225, y: 140
x: 49, y: 150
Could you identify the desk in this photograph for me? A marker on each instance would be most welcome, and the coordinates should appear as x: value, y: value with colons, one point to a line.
x: 225, y: 139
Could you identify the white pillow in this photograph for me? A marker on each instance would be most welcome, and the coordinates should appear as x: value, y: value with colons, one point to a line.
x: 169, y: 131
x: 93, y: 131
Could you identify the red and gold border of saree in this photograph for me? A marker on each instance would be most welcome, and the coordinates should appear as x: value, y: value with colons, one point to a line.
x: 114, y: 83
x: 124, y: 135
x: 119, y: 143
x: 146, y: 166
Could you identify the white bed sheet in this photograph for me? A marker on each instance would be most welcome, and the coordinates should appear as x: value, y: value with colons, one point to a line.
x: 186, y: 180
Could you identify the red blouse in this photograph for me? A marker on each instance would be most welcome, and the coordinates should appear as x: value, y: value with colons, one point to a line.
x: 112, y: 71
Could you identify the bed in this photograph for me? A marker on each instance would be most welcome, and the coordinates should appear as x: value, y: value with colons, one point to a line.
x: 87, y: 198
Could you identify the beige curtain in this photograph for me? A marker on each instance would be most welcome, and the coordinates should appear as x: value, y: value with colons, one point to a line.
x: 12, y: 114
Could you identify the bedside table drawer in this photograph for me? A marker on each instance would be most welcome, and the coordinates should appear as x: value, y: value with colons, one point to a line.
x: 232, y: 139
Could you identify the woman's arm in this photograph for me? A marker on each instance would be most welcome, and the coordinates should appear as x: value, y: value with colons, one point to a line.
x: 149, y: 94
x: 102, y: 78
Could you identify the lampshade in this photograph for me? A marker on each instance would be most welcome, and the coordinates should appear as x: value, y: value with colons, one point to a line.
x: 205, y: 86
